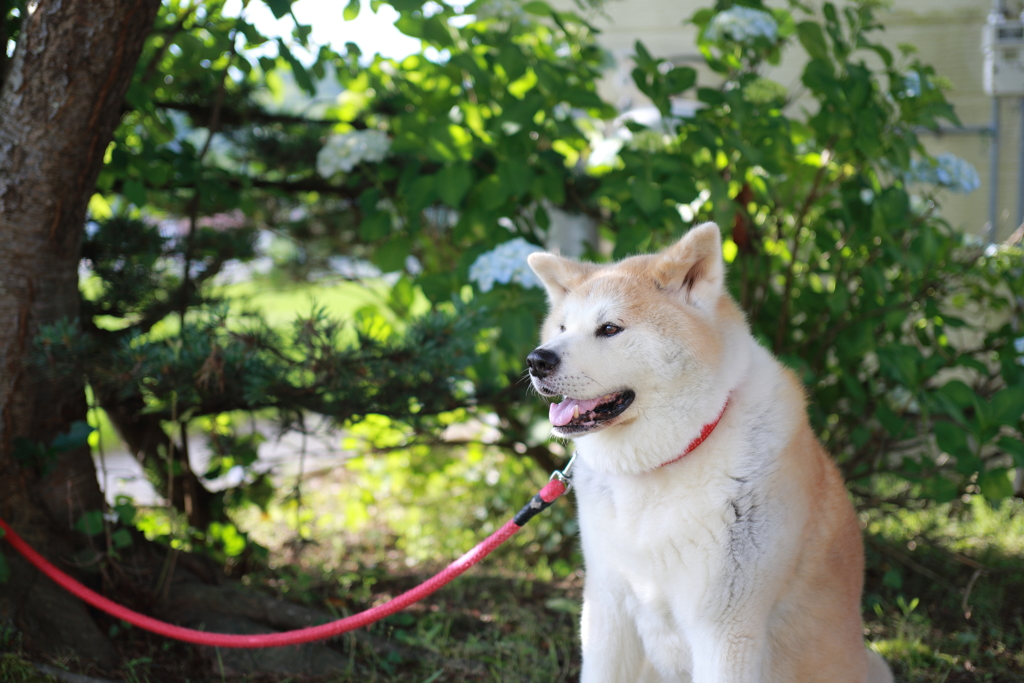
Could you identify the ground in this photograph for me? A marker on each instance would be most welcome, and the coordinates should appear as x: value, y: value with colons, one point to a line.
x: 944, y: 603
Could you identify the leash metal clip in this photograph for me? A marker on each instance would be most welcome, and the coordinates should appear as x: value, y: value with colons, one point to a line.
x: 563, y: 475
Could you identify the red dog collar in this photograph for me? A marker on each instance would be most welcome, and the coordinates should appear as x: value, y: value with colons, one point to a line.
x: 705, y: 432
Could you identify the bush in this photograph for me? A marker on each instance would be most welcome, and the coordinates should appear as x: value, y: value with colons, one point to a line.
x: 905, y: 332
x: 902, y: 328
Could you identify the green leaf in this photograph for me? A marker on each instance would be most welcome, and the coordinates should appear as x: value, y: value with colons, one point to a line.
x: 892, y: 422
x: 1008, y: 406
x: 452, y: 182
x: 419, y: 194
x: 76, y: 437
x: 537, y: 7
x: 90, y: 523
x: 710, y: 96
x: 437, y: 287
x: 894, y: 204
x: 351, y: 10
x: 512, y: 60
x: 410, y: 25
x: 952, y: 439
x: 839, y: 301
x: 647, y: 196
x: 882, y: 52
x: 125, y: 510
x: 390, y: 256
x: 302, y: 78
x: 679, y: 79
x: 813, y: 39
x: 630, y: 239
x: 121, y: 538
x: 958, y: 392
x: 135, y: 192
x: 436, y: 31
x: 893, y: 578
x: 940, y: 489
x: 375, y: 226
x: 1015, y: 447
x: 279, y: 7
x: 643, y: 57
x: 157, y: 174
x: 516, y: 176
x: 996, y: 484
x: 492, y: 192
x: 819, y: 76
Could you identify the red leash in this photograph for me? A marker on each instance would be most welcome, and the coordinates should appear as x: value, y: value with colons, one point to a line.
x: 556, y: 487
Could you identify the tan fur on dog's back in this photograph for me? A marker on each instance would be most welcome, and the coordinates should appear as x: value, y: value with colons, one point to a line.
x: 741, y: 561
x: 827, y: 576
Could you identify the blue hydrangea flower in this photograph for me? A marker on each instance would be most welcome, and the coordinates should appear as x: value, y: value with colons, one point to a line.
x: 504, y: 264
x: 948, y: 171
x: 742, y: 24
x: 912, y: 84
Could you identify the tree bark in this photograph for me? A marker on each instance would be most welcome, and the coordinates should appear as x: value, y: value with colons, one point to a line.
x: 60, y: 100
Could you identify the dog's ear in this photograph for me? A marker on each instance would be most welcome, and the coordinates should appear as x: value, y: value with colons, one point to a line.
x: 557, y: 274
x: 693, y: 266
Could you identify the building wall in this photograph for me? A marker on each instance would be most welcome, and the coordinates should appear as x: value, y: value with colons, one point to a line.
x: 948, y: 35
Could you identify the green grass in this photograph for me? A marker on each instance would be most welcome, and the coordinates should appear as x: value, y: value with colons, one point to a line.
x: 500, y: 622
x: 280, y: 305
x: 14, y: 668
x: 945, y: 591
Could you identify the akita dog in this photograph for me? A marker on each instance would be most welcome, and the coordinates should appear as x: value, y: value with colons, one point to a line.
x: 718, y: 541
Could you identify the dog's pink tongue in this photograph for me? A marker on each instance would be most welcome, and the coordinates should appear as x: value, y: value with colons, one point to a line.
x: 560, y: 414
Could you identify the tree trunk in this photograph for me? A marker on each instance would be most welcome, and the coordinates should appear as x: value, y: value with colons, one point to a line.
x: 147, y: 441
x: 60, y: 101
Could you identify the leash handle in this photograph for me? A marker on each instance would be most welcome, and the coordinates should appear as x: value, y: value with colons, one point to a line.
x: 554, y: 489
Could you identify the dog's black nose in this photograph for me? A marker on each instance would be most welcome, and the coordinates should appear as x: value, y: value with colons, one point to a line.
x: 542, y: 362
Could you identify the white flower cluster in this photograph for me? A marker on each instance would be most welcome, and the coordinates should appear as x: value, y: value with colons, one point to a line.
x: 344, y: 152
x: 742, y: 24
x: 949, y: 171
x: 504, y: 264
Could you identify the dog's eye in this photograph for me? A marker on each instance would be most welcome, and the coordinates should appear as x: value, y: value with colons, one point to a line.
x: 608, y: 330
x: 561, y: 328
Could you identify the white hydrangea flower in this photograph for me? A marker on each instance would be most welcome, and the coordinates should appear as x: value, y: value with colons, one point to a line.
x: 504, y: 264
x: 344, y: 152
x: 949, y: 171
x: 742, y: 24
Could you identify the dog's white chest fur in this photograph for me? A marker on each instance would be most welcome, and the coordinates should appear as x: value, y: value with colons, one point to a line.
x: 680, y: 547
x: 677, y: 549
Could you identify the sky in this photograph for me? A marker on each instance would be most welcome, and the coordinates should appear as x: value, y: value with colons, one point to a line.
x: 371, y: 32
